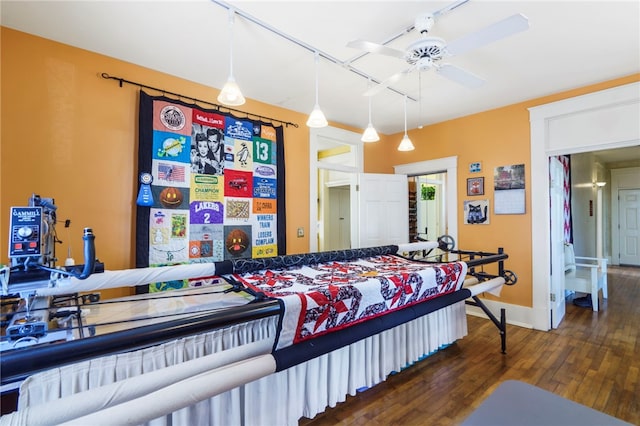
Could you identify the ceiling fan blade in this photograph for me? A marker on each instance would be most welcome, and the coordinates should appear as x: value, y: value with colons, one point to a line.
x: 509, y: 26
x: 460, y: 76
x: 376, y: 48
x: 388, y: 82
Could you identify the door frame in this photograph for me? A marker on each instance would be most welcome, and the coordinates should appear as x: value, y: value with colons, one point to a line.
x: 556, y: 202
x: 624, y: 178
x: 600, y: 120
x: 439, y: 165
x: 340, y: 136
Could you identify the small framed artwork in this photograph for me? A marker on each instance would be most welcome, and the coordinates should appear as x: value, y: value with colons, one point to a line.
x: 475, y: 186
x: 475, y: 167
x: 476, y: 212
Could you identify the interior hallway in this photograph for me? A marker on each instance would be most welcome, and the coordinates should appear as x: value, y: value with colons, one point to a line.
x: 592, y: 358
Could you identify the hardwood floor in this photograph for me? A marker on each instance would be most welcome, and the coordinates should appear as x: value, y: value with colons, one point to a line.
x: 592, y: 358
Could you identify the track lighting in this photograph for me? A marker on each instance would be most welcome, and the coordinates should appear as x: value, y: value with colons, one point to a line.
x: 370, y: 134
x: 405, y: 144
x: 231, y: 94
x: 317, y: 118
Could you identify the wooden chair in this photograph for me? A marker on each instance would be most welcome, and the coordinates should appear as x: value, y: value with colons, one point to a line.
x: 587, y: 277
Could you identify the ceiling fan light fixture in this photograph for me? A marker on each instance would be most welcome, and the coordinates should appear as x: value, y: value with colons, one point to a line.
x: 230, y: 94
x: 317, y: 118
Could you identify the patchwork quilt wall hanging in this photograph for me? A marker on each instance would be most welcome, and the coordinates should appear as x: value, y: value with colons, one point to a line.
x: 211, y: 187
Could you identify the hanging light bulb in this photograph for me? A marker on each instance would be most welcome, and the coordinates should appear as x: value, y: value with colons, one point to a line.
x: 370, y: 134
x: 231, y: 94
x: 405, y: 144
x: 317, y: 118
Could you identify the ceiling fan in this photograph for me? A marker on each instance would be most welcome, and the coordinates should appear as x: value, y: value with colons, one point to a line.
x: 428, y: 52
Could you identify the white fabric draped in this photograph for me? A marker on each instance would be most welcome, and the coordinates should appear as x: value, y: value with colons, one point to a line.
x: 278, y: 399
x: 67, y: 380
x: 176, y: 378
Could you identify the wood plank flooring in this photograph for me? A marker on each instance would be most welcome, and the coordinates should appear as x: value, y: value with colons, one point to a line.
x: 593, y: 358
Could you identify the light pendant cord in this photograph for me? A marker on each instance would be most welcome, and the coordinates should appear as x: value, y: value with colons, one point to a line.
x: 232, y: 14
x: 317, y: 118
x: 317, y: 62
x: 405, y: 115
x: 420, y: 100
x: 370, y: 104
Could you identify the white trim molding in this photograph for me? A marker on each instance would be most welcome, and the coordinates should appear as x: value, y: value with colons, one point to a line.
x: 600, y: 120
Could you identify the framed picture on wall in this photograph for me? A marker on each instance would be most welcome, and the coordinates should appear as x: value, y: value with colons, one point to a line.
x: 476, y: 212
x: 475, y: 186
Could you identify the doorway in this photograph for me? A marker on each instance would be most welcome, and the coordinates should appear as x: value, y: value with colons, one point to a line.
x: 335, y: 160
x: 629, y: 224
x: 430, y: 206
x: 337, y: 214
x: 440, y: 174
x: 569, y: 126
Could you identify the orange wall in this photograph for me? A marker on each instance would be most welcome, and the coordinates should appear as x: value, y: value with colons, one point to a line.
x: 69, y: 134
x: 495, y: 138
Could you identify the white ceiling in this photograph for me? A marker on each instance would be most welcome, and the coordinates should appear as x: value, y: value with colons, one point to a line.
x: 569, y: 44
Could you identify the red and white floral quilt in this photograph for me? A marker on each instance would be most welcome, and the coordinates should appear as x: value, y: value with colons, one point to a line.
x: 331, y: 296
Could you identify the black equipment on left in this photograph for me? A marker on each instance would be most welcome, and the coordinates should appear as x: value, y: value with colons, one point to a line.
x: 32, y: 240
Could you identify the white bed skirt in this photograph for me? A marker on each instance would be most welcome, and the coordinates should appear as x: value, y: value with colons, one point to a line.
x: 309, y: 388
x: 278, y: 399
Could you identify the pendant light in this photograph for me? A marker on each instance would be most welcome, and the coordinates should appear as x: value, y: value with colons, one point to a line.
x: 405, y: 144
x: 370, y: 134
x: 317, y: 118
x: 231, y: 94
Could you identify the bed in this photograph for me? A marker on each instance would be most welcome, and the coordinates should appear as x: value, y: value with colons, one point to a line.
x: 305, y: 329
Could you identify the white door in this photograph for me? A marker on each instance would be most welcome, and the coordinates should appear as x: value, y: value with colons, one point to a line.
x: 383, y: 209
x: 556, y: 195
x: 338, y: 229
x: 629, y: 213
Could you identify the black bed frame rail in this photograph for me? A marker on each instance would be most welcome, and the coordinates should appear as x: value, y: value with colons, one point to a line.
x: 479, y: 258
x: 501, y: 324
x: 474, y: 259
x: 16, y: 365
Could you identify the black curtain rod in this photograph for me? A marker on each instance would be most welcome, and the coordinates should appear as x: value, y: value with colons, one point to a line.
x: 195, y: 100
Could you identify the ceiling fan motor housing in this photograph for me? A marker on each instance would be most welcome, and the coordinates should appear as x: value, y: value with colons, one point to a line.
x: 425, y: 51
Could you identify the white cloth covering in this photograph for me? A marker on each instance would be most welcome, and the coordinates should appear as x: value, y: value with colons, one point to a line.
x: 278, y: 399
x: 178, y: 395
x: 103, y: 397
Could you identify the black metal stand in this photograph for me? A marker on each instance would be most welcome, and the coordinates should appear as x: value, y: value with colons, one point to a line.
x: 500, y: 324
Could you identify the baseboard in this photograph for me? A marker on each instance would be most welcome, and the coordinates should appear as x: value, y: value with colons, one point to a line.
x: 520, y: 316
